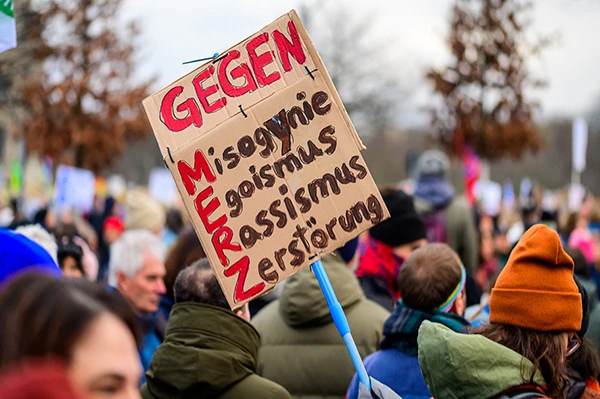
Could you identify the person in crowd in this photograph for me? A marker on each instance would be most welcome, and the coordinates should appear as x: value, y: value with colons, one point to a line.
x: 583, y: 365
x: 432, y: 283
x: 87, y: 233
x: 136, y: 271
x: 142, y: 212
x: 209, y: 350
x: 487, y: 266
x: 185, y: 251
x: 38, y: 234
x: 70, y: 258
x: 581, y: 237
x: 89, y: 260
x: 584, y: 371
x: 531, y: 214
x: 44, y: 217
x: 174, y: 221
x: 502, y: 247
x: 112, y: 229
x: 70, y: 232
x: 448, y: 218
x: 103, y: 210
x: 535, y: 312
x: 19, y: 219
x: 88, y: 329
x: 582, y: 272
x: 173, y: 226
x: 383, y: 250
x: 18, y: 254
x: 300, y: 343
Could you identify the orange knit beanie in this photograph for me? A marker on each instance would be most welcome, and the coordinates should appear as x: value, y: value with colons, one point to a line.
x: 536, y: 289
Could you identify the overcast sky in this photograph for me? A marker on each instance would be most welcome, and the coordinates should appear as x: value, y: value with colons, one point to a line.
x: 179, y: 30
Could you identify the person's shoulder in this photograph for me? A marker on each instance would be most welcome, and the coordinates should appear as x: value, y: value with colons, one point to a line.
x: 255, y: 386
x: 367, y: 317
x: 373, y: 309
x: 459, y: 204
x: 266, y: 315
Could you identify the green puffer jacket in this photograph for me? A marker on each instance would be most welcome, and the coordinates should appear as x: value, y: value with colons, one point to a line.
x: 301, y: 348
x: 208, y: 352
x: 460, y: 366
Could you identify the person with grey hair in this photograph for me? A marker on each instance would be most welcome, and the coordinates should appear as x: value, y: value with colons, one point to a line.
x: 209, y: 350
x: 136, y: 271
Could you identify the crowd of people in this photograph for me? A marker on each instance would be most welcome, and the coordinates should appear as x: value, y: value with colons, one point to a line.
x: 443, y: 299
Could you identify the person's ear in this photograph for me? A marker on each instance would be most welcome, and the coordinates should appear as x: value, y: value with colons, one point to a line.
x: 244, y: 313
x: 122, y: 280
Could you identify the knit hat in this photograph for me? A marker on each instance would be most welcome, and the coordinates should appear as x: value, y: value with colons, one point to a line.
x: 432, y: 163
x: 143, y: 212
x: 536, y: 289
x: 18, y: 253
x: 404, y: 225
x: 113, y: 223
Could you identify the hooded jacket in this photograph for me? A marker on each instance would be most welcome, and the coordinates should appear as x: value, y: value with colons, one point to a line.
x: 437, y: 200
x: 396, y: 364
x: 460, y: 366
x: 301, y: 347
x: 208, y: 352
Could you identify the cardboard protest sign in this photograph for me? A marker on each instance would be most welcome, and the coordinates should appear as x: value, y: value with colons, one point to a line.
x: 266, y: 159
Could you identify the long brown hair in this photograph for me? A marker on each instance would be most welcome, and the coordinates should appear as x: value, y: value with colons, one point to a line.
x: 546, y: 350
x: 43, y: 316
x: 585, y: 360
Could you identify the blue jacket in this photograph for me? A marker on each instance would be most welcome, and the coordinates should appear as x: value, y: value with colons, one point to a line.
x: 153, y: 327
x: 398, y: 371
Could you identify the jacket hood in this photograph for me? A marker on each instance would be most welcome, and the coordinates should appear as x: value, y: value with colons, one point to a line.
x: 461, y: 366
x: 432, y: 193
x: 206, y: 350
x: 302, y: 303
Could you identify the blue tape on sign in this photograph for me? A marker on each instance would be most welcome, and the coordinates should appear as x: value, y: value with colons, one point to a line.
x: 341, y: 322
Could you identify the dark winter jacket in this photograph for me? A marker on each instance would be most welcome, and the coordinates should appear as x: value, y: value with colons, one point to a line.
x: 208, y: 352
x: 301, y: 348
x: 433, y: 200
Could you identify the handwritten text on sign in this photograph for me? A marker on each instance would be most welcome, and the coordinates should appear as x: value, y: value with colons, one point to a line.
x: 271, y: 185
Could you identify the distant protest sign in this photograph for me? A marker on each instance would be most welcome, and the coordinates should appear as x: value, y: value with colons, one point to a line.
x: 162, y: 187
x: 75, y: 189
x: 266, y: 159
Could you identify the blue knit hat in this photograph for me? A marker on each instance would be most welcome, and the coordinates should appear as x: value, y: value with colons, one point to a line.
x: 18, y: 253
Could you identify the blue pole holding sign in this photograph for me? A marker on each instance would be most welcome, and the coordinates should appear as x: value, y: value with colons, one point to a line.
x: 339, y: 318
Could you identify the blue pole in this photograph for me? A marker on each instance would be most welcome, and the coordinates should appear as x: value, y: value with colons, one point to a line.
x: 339, y: 318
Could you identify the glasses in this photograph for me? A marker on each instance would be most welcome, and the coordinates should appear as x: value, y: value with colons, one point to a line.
x: 573, y: 345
